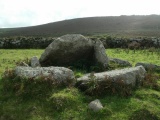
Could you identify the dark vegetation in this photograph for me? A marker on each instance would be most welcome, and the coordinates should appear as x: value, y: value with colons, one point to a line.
x: 118, y: 26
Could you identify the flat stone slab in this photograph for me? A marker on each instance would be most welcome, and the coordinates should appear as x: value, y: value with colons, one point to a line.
x: 130, y: 76
x: 148, y: 66
x: 60, y: 74
x: 120, y: 62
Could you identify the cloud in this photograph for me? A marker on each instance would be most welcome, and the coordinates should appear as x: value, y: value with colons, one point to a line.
x: 19, y: 13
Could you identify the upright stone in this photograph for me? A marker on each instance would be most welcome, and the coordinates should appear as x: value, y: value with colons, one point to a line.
x: 35, y: 62
x: 100, y: 54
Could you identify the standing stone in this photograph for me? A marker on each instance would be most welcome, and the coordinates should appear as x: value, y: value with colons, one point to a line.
x: 35, y: 62
x: 95, y: 105
x: 100, y: 54
x: 68, y: 49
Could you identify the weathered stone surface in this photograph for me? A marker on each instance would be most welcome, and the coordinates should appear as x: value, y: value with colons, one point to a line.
x: 100, y: 53
x: 35, y: 62
x: 68, y: 49
x: 120, y: 62
x: 130, y: 76
x: 148, y: 66
x: 59, y: 74
x: 95, y: 105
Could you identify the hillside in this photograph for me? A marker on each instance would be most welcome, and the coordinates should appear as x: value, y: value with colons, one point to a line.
x: 120, y: 25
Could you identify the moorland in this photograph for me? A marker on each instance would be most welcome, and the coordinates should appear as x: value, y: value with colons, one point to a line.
x: 23, y: 99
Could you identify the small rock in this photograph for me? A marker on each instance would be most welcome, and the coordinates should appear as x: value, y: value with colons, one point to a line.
x: 35, y: 62
x: 95, y: 105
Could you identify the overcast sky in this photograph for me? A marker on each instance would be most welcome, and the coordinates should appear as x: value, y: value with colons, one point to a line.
x: 20, y: 13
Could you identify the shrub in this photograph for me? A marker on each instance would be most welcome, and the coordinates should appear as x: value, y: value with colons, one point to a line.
x: 151, y: 81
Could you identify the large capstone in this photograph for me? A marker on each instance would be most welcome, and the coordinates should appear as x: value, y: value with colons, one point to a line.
x: 72, y: 48
x: 130, y: 76
x: 59, y: 74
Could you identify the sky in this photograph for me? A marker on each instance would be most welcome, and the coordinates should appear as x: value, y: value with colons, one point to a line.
x: 22, y: 13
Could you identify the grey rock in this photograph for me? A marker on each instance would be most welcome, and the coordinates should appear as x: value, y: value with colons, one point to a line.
x: 130, y: 76
x: 68, y: 49
x: 59, y: 74
x: 148, y: 66
x: 120, y: 62
x: 100, y: 54
x: 95, y: 105
x: 35, y: 62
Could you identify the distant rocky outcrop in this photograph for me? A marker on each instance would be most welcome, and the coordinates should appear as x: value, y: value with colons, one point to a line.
x: 71, y: 48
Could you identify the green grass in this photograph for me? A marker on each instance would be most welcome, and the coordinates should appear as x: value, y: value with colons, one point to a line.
x: 135, y: 56
x: 9, y: 57
x: 63, y: 103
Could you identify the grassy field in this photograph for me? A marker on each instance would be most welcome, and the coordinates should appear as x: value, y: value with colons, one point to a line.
x: 63, y: 103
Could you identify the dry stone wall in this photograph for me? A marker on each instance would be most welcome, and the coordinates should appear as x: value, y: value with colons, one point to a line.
x: 25, y: 42
x: 109, y: 42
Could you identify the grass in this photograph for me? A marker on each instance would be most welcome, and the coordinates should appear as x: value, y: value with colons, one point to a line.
x: 135, y: 56
x: 68, y: 103
x: 9, y: 57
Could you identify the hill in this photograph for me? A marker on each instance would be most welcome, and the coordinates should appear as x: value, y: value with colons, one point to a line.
x: 116, y: 25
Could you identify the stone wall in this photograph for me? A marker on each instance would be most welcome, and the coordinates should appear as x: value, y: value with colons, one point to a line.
x: 25, y: 42
x: 109, y: 42
x: 128, y: 42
